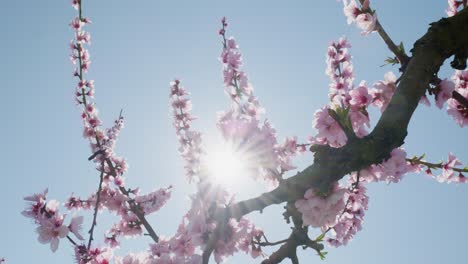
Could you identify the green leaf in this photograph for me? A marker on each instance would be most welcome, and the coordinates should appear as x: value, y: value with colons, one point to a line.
x: 320, y: 238
x: 390, y: 60
x: 401, y: 47
x: 322, y: 254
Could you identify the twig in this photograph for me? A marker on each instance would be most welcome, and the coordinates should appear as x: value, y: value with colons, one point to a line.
x: 435, y: 165
x: 133, y: 206
x: 400, y: 54
x: 96, y: 207
x: 71, y: 240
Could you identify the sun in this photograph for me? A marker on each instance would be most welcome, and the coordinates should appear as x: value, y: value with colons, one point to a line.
x: 227, y: 166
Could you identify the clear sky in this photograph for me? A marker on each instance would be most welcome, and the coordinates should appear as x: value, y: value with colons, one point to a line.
x: 139, y: 46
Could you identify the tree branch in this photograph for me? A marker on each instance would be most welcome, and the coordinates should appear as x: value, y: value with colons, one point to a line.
x: 297, y: 238
x: 134, y: 206
x: 441, y: 41
x: 96, y: 207
x: 399, y: 53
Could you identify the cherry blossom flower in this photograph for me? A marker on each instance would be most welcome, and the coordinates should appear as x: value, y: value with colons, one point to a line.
x: 51, y: 230
x: 453, y: 6
x: 444, y: 92
x: 383, y: 91
x: 320, y: 211
x: 153, y: 201
x: 364, y: 18
x: 329, y: 131
x: 75, y: 226
x: 366, y: 22
x: 350, y: 221
x: 391, y: 170
x: 455, y: 109
x: 37, y: 203
x: 360, y: 98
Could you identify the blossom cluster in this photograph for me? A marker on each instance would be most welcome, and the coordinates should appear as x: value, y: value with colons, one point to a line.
x: 189, y: 140
x: 241, y: 124
x: 364, y: 17
x: 451, y: 169
x: 341, y: 210
x: 112, y: 194
x: 321, y: 211
x: 198, y: 224
x: 49, y: 221
x: 458, y: 111
x: 343, y: 95
x: 349, y: 222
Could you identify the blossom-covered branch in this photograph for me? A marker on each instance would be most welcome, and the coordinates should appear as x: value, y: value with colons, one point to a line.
x: 331, y: 164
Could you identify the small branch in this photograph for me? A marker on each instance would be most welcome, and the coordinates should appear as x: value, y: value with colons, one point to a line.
x: 134, y: 206
x: 71, y: 240
x: 96, y: 207
x: 462, y: 100
x: 434, y: 165
x: 267, y: 243
x: 95, y: 154
x: 455, y: 95
x: 297, y: 238
x: 400, y: 54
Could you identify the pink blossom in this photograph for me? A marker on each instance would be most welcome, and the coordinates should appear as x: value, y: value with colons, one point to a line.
x: 93, y: 255
x: 365, y: 19
x: 329, y: 131
x: 142, y: 258
x: 351, y: 10
x: 448, y: 174
x: 75, y: 226
x: 83, y: 37
x: 455, y: 109
x: 444, y: 93
x: 360, y: 121
x: 452, y: 8
x: 383, y: 91
x: 340, y: 71
x: 51, y: 230
x: 153, y: 201
x: 367, y: 22
x: 424, y: 100
x: 320, y: 211
x: 76, y: 24
x: 37, y: 202
x: 390, y: 170
x: 360, y: 98
x: 75, y: 4
x: 350, y: 222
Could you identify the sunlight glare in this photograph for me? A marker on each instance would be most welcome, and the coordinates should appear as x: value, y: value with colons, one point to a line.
x: 226, y: 166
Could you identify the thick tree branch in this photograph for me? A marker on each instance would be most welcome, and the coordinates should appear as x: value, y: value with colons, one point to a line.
x: 442, y: 40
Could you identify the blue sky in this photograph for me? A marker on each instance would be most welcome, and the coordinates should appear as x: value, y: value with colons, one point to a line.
x: 139, y: 46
